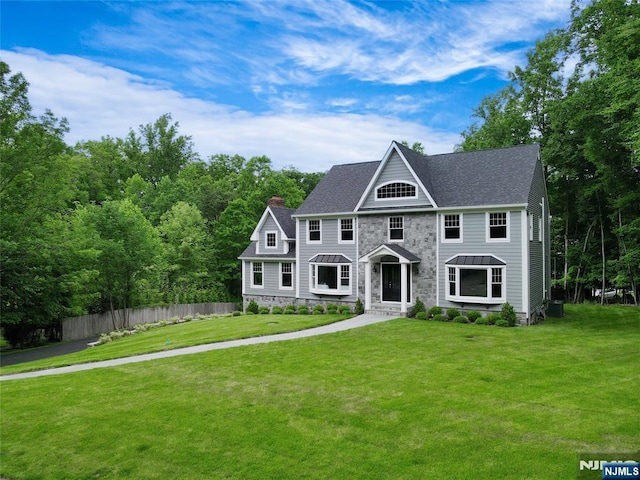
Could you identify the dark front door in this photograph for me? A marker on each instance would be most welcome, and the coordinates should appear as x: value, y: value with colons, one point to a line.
x: 391, y: 282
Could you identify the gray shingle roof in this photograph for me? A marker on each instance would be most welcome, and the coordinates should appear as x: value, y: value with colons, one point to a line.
x: 403, y: 252
x: 250, y: 252
x: 499, y: 176
x: 283, y: 216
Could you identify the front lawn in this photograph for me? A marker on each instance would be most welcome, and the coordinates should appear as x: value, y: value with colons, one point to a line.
x: 401, y: 399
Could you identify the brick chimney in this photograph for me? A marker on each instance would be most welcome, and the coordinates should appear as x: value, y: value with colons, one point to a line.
x: 276, y: 201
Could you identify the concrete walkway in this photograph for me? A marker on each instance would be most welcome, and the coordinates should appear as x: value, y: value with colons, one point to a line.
x: 355, y: 322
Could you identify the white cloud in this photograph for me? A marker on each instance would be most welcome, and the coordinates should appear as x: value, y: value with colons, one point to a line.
x: 99, y: 100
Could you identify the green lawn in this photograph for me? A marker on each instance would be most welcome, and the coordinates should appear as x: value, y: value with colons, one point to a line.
x: 400, y: 400
x: 207, y: 330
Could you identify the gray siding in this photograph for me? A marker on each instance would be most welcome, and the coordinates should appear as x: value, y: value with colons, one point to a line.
x: 270, y: 279
x: 270, y: 225
x: 474, y: 236
x: 536, y: 258
x: 329, y: 236
x: 395, y: 170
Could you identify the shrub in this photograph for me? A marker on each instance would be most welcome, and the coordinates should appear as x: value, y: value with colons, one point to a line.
x: 303, y: 310
x: 461, y: 319
x: 187, y: 318
x: 252, y: 307
x: 473, y: 315
x: 422, y: 316
x: 481, y: 321
x: 290, y: 310
x: 359, y: 308
x: 502, y: 323
x: 492, y: 318
x: 509, y: 314
x: 276, y: 310
x: 236, y: 313
x: 291, y: 307
x: 264, y: 310
x: 417, y: 308
x: 344, y: 309
x: 452, y: 313
x: 318, y: 309
x: 433, y: 311
x: 332, y: 311
x: 250, y: 313
x: 332, y: 306
x: 438, y: 317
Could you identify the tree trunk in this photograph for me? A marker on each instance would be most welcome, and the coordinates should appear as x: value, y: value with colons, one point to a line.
x: 604, y: 262
x: 584, y: 249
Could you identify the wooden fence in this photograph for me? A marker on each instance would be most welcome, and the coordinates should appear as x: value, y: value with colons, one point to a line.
x: 93, y: 325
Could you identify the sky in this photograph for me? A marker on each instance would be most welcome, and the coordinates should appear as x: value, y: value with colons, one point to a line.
x: 309, y: 84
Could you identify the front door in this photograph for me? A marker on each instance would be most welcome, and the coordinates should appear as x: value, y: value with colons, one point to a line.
x: 391, y: 288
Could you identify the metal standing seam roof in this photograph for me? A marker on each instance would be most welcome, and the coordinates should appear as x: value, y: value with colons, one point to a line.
x: 474, y: 260
x: 321, y: 258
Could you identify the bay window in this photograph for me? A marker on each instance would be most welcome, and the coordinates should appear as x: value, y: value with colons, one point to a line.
x: 475, y: 279
x: 330, y: 275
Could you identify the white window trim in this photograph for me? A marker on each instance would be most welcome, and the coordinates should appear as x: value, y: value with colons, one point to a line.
x: 266, y: 243
x: 540, y: 229
x: 331, y: 291
x: 282, y: 287
x: 489, y: 299
x: 488, y: 230
x: 353, y: 230
x: 443, y: 238
x: 253, y: 285
x: 314, y: 242
x: 531, y: 222
x: 396, y: 198
x: 395, y: 240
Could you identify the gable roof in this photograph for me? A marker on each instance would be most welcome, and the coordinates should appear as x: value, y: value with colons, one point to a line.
x: 283, y: 219
x: 497, y: 176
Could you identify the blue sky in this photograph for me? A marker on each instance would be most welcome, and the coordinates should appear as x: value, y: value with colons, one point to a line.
x: 307, y: 83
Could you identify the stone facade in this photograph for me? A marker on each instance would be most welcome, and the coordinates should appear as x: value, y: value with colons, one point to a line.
x: 272, y: 301
x: 419, y: 238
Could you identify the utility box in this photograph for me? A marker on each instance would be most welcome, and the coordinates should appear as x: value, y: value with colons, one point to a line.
x: 555, y: 308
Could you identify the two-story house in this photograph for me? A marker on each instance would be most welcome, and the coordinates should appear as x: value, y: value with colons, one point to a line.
x: 467, y: 230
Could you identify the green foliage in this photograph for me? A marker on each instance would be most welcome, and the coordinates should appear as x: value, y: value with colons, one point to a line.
x: 422, y: 316
x: 473, y: 315
x: 277, y: 310
x: 237, y: 313
x: 252, y: 306
x: 344, y: 309
x: 263, y: 310
x: 433, y: 311
x: 481, y: 321
x: 318, y: 309
x: 290, y: 310
x: 502, y: 323
x: 452, y: 313
x: 461, y: 319
x: 332, y: 306
x: 438, y: 317
x: 303, y: 310
x: 509, y: 314
x: 492, y: 318
x: 418, y: 307
x: 359, y: 307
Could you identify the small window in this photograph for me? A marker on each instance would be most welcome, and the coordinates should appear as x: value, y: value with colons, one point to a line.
x: 498, y: 226
x: 496, y: 282
x: 346, y: 230
x: 286, y: 275
x: 344, y: 275
x: 396, y: 190
x: 256, y: 278
x: 396, y: 228
x: 271, y: 240
x: 314, y: 230
x: 452, y: 228
x: 452, y: 281
x: 540, y: 229
x: 531, y: 222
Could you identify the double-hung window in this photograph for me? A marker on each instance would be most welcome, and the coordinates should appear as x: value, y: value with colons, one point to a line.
x: 396, y: 229
x: 256, y: 274
x: 346, y: 230
x: 270, y: 239
x: 452, y: 228
x: 498, y: 226
x: 313, y: 231
x: 286, y: 275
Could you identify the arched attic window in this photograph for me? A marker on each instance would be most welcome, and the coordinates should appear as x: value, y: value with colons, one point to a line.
x: 396, y: 190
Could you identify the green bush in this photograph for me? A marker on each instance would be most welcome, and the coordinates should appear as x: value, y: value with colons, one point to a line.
x: 433, y: 311
x: 493, y: 317
x: 332, y: 311
x: 473, y: 315
x: 187, y: 318
x: 291, y: 307
x: 502, y: 323
x: 452, y: 313
x: 422, y: 316
x: 438, y: 317
x: 290, y: 310
x: 417, y: 308
x: 344, y: 309
x: 303, y: 310
x: 509, y: 314
x: 318, y: 309
x: 461, y: 319
x: 332, y: 306
x: 264, y: 310
x: 237, y: 313
x: 359, y: 308
x: 252, y: 307
x: 481, y: 321
x: 276, y: 310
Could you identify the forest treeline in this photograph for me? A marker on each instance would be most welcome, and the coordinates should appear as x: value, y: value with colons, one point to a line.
x: 143, y: 220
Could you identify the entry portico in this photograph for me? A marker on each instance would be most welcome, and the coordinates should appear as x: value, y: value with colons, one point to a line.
x: 391, y: 264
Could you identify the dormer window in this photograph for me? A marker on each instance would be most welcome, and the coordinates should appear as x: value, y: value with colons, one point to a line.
x: 271, y: 239
x: 396, y: 190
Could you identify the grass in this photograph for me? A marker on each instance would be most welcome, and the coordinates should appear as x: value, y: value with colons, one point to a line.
x: 403, y: 399
x: 196, y: 332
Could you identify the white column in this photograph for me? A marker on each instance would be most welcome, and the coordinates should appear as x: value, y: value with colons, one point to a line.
x: 367, y: 286
x: 403, y: 287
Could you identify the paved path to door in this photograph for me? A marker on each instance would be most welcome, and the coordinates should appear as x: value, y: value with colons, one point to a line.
x: 355, y: 322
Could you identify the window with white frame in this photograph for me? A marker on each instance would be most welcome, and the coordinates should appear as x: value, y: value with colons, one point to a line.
x: 286, y: 275
x: 270, y: 239
x: 346, y: 230
x: 531, y: 222
x: 452, y: 228
x: 540, y: 229
x: 313, y: 230
x: 330, y: 279
x: 396, y: 190
x: 396, y: 229
x: 498, y: 226
x: 256, y: 274
x: 496, y: 282
x: 477, y: 284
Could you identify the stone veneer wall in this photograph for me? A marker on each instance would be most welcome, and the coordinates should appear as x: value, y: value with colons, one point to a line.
x: 419, y: 238
x: 271, y: 301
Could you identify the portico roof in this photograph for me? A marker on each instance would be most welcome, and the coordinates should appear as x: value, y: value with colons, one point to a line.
x: 393, y: 249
